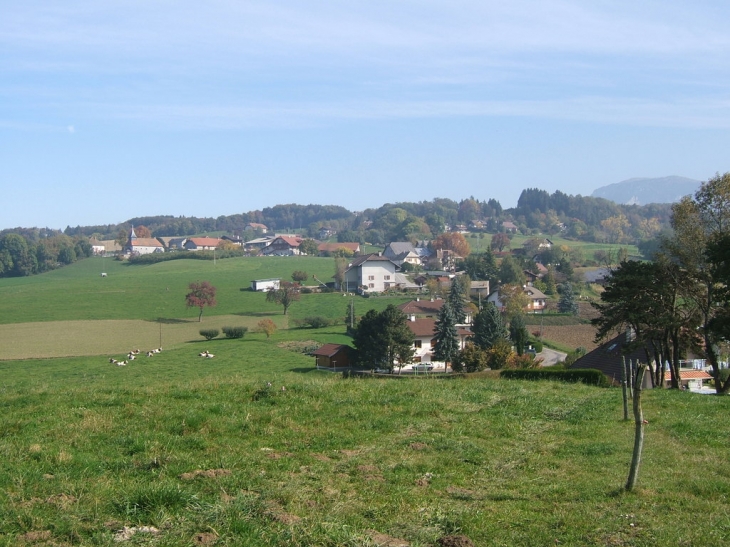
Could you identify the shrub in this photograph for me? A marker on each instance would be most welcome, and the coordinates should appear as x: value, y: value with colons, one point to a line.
x: 316, y: 322
x: 209, y: 334
x: 235, y: 332
x: 587, y: 376
x: 267, y: 326
x: 470, y: 359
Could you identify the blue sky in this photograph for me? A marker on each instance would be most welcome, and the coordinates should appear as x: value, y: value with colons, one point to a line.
x: 111, y: 110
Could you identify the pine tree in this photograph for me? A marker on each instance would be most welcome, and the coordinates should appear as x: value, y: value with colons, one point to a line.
x: 447, y: 341
x: 458, y: 296
x: 567, y: 303
x: 488, y: 327
x: 383, y: 338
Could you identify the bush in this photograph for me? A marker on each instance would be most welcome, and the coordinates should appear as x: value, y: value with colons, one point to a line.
x: 587, y: 376
x: 267, y: 326
x: 235, y: 332
x: 316, y: 322
x: 209, y: 334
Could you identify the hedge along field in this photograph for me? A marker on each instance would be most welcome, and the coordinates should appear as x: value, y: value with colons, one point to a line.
x: 203, y: 448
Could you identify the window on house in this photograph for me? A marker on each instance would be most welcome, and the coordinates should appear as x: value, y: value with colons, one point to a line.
x: 371, y: 285
x: 416, y: 359
x: 371, y: 278
x: 433, y: 343
x: 387, y: 277
x: 417, y: 344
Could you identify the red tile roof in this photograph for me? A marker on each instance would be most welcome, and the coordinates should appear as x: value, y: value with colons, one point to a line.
x: 694, y: 375
x: 422, y: 307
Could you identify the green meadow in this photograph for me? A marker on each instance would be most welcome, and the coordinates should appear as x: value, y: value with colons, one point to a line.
x: 256, y: 447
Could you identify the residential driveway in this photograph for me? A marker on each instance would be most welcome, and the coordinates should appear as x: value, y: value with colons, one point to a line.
x: 550, y: 356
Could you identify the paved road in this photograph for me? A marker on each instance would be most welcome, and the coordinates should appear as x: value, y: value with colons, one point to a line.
x: 550, y: 356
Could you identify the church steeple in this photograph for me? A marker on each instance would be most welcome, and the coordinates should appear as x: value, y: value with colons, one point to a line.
x: 132, y: 235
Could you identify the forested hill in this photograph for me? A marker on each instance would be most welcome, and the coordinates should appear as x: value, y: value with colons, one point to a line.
x: 24, y: 251
x: 585, y: 218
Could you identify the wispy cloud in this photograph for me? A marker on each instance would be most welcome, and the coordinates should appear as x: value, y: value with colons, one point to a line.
x: 237, y: 64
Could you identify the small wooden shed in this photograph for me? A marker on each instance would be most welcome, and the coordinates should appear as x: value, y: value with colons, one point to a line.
x: 333, y: 357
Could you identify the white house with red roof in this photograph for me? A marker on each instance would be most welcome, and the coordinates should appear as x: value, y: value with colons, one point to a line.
x: 283, y: 246
x: 201, y: 243
x: 141, y: 245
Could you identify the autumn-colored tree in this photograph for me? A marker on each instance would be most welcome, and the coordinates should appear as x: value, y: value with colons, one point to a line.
x: 267, y: 326
x: 142, y: 231
x: 499, y: 242
x: 453, y: 241
x: 201, y: 294
x: 514, y: 300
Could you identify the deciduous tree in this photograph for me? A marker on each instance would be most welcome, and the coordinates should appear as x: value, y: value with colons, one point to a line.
x: 299, y: 276
x: 201, y: 294
x: 453, y: 241
x: 267, y: 326
x: 309, y: 247
x: 285, y: 295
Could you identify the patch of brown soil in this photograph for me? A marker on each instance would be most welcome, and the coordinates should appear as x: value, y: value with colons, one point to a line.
x: 35, y: 536
x: 276, y: 512
x: 321, y: 457
x: 455, y: 541
x: 350, y: 453
x: 204, y: 538
x: 384, y: 540
x: 207, y: 473
x: 371, y: 473
x: 61, y: 500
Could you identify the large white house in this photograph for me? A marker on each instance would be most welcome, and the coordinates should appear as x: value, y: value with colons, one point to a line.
x: 370, y: 273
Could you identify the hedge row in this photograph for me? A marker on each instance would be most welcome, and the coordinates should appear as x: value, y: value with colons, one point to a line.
x: 154, y: 258
x: 587, y: 376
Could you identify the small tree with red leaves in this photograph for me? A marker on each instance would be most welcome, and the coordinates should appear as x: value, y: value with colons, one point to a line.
x: 201, y: 294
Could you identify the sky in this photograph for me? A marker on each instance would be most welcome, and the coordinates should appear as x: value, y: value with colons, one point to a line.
x: 120, y: 109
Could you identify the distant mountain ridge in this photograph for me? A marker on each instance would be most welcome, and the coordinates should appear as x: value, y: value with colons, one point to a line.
x: 640, y: 191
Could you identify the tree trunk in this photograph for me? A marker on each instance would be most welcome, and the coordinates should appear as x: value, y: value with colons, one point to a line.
x: 624, y: 389
x: 639, y: 429
x: 200, y: 317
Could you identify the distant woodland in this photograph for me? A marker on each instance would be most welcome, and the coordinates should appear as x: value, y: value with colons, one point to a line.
x: 24, y: 251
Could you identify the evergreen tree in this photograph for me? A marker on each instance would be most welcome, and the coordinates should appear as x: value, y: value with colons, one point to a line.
x: 550, y: 286
x: 488, y: 327
x: 383, y: 338
x: 447, y: 341
x: 458, y: 297
x: 518, y: 333
x: 567, y: 303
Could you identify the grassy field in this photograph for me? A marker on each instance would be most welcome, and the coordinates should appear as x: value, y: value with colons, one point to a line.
x: 180, y: 450
x: 587, y: 247
x: 206, y: 453
x: 74, y: 311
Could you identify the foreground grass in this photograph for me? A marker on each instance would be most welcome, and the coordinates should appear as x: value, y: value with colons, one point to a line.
x: 196, y: 446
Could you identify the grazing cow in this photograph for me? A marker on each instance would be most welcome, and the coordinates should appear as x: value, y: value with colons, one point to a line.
x: 121, y: 363
x: 103, y: 274
x: 150, y: 354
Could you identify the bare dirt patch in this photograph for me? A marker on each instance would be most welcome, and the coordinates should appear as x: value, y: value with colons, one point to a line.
x: 384, y: 540
x: 204, y: 538
x: 276, y: 512
x: 207, y: 473
x: 35, y: 536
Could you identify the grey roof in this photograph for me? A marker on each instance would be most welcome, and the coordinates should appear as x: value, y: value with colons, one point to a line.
x: 405, y: 283
x: 400, y: 247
